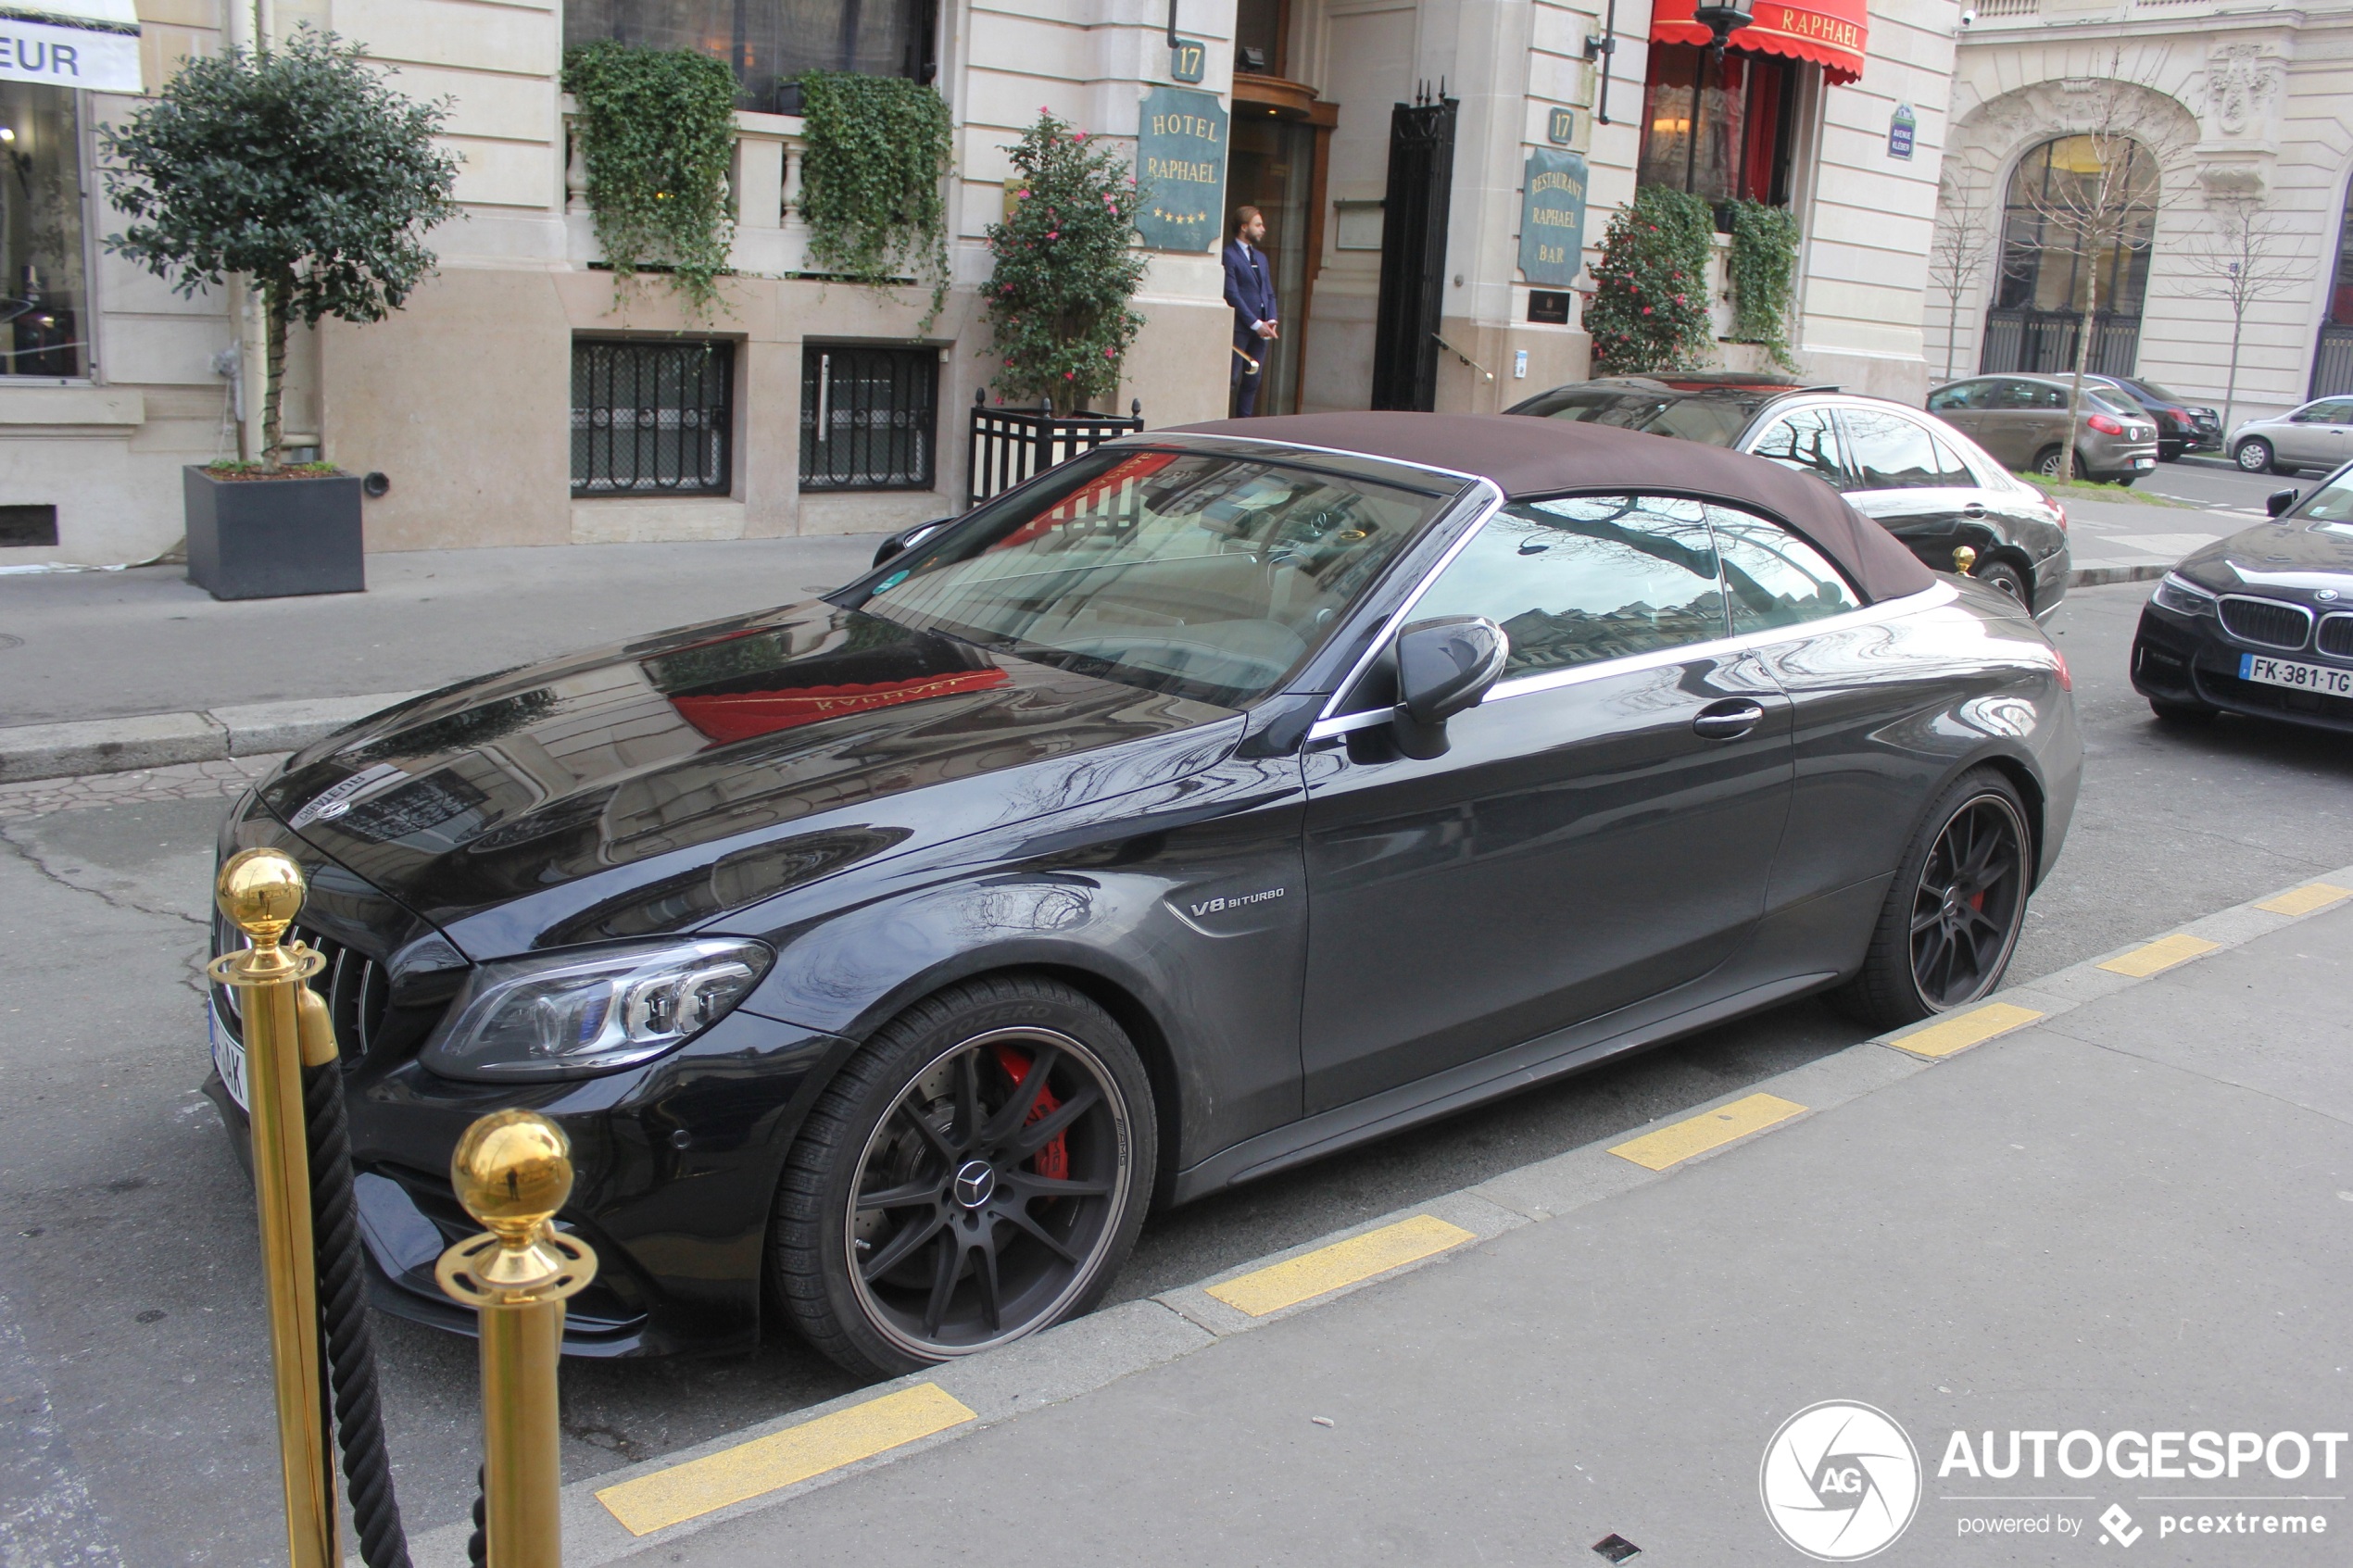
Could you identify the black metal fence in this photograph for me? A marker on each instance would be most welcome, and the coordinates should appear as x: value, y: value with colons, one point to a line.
x: 1007, y: 447
x: 2042, y: 343
x: 869, y: 417
x: 2332, y: 363
x: 652, y: 417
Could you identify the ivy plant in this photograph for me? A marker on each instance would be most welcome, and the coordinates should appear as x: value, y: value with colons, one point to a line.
x: 1058, y: 301
x: 1649, y: 308
x: 302, y: 169
x: 1762, y: 267
x: 878, y: 148
x: 657, y: 134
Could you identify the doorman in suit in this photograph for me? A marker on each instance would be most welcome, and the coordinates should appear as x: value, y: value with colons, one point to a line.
x: 1251, y: 291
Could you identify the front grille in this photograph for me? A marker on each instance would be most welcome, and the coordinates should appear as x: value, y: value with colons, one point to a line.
x: 356, y: 990
x: 2336, y: 635
x: 2266, y: 622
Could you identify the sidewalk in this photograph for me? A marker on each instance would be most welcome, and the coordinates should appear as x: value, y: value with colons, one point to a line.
x: 2127, y: 1214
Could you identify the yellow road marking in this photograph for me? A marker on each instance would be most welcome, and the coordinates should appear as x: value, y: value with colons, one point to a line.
x: 2305, y: 899
x: 1343, y: 1262
x: 1710, y: 1129
x: 1966, y: 1029
x: 689, y: 1490
x: 2161, y: 954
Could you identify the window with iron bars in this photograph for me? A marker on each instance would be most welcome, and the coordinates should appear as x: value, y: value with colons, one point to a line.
x: 652, y: 417
x: 869, y: 417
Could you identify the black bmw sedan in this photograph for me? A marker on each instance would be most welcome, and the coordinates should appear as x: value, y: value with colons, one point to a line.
x: 1213, y: 802
x: 2260, y: 623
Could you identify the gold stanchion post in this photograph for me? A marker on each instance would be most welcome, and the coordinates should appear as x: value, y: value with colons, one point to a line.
x: 513, y: 1171
x: 260, y: 890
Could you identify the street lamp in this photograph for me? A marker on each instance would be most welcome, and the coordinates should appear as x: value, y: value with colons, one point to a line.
x: 1722, y: 19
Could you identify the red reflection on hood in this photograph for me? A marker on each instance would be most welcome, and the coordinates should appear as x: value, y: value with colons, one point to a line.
x: 733, y: 716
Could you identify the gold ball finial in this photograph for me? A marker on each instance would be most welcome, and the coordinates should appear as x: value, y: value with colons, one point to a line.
x: 513, y: 1171
x: 1964, y: 559
x: 261, y: 891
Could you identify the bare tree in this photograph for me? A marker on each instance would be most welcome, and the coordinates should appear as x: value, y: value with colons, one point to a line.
x: 2123, y: 162
x: 2243, y: 256
x: 1964, y: 232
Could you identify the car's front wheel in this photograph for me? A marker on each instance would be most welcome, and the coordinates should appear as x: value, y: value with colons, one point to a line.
x: 1952, y: 917
x: 2254, y: 456
x: 977, y: 1172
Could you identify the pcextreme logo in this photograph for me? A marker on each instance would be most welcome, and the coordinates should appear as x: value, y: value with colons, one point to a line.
x: 1841, y: 1481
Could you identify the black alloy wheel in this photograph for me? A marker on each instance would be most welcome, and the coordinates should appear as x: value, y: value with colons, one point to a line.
x: 2002, y: 575
x: 977, y: 1172
x: 2254, y: 456
x: 1952, y: 918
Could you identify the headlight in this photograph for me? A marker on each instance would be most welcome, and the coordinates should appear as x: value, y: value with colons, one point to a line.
x: 2182, y: 597
x: 576, y: 1014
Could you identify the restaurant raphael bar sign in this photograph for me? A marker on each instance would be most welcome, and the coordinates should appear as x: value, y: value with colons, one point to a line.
x: 1552, y: 218
x: 1180, y: 163
x: 91, y: 44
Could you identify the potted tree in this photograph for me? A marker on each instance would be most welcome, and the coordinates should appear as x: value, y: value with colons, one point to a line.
x: 299, y: 168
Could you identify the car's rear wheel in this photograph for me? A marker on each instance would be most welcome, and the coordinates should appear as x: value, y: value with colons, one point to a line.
x: 2048, y: 461
x: 1952, y: 917
x: 2254, y: 456
x: 2005, y: 576
x: 977, y: 1172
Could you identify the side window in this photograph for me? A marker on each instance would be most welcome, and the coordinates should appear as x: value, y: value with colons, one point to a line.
x: 1773, y: 577
x: 1965, y: 474
x: 1587, y: 578
x: 1892, y: 453
x: 1804, y: 441
x: 1962, y: 395
x: 2009, y: 395
x: 2041, y: 396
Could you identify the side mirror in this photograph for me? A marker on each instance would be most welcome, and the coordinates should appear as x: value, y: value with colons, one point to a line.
x: 907, y: 539
x: 1443, y: 667
x: 2279, y: 501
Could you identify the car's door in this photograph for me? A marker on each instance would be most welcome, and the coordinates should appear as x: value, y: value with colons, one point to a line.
x: 1600, y: 829
x: 1913, y: 484
x: 2326, y: 439
x: 2298, y: 438
x: 2005, y: 421
x: 1963, y: 406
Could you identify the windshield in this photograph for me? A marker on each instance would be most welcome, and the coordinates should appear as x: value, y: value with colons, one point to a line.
x: 1715, y: 418
x: 1203, y: 576
x: 2331, y: 506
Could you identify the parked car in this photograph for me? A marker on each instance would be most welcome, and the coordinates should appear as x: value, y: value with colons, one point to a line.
x: 2181, y: 427
x: 2260, y: 623
x: 2022, y: 421
x: 2317, y: 435
x: 886, y: 955
x: 1933, y: 489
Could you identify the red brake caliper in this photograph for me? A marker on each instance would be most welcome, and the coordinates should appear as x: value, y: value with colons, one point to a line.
x: 1053, y: 1159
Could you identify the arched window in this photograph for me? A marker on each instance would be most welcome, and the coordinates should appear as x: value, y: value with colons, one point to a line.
x: 2072, y: 235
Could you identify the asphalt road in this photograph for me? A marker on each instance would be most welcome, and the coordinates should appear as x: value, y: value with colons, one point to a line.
x: 132, y: 1364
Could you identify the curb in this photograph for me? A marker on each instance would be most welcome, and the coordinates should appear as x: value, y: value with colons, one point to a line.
x: 2100, y: 576
x: 162, y: 740
x: 1092, y: 1352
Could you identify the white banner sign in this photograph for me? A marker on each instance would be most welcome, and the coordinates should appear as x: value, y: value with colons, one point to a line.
x: 90, y: 44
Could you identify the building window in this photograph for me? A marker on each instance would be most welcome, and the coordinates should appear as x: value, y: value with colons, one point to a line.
x: 770, y: 42
x: 2049, y: 276
x: 869, y: 417
x: 1746, y: 123
x: 2333, y: 358
x: 652, y: 417
x: 43, y: 309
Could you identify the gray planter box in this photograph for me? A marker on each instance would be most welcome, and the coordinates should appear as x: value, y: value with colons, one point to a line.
x: 273, y: 538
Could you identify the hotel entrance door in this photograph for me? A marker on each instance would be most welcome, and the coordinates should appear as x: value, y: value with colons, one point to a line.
x: 1276, y: 164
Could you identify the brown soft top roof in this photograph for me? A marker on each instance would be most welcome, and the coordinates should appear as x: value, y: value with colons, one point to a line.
x: 1532, y: 456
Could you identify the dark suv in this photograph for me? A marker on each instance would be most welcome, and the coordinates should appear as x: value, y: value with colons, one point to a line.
x: 1927, y: 483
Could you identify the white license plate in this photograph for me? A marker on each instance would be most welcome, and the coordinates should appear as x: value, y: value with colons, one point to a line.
x: 2296, y: 677
x: 2145, y: 462
x: 228, y: 1057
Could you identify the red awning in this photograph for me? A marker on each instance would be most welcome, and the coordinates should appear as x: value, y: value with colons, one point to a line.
x: 1830, y: 32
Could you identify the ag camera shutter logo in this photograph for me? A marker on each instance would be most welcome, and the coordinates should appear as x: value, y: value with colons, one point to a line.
x: 1841, y: 1481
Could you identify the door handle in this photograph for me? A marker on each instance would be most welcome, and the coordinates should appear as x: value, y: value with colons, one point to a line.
x: 1975, y: 508
x: 1728, y: 719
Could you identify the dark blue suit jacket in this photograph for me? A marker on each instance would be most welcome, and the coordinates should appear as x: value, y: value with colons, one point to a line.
x: 1250, y: 291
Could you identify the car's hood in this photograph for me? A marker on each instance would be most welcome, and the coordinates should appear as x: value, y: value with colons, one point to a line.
x: 2298, y: 559
x: 651, y: 786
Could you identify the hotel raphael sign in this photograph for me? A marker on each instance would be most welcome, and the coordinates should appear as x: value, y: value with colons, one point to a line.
x: 1180, y: 161
x: 1552, y: 218
x: 91, y: 44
